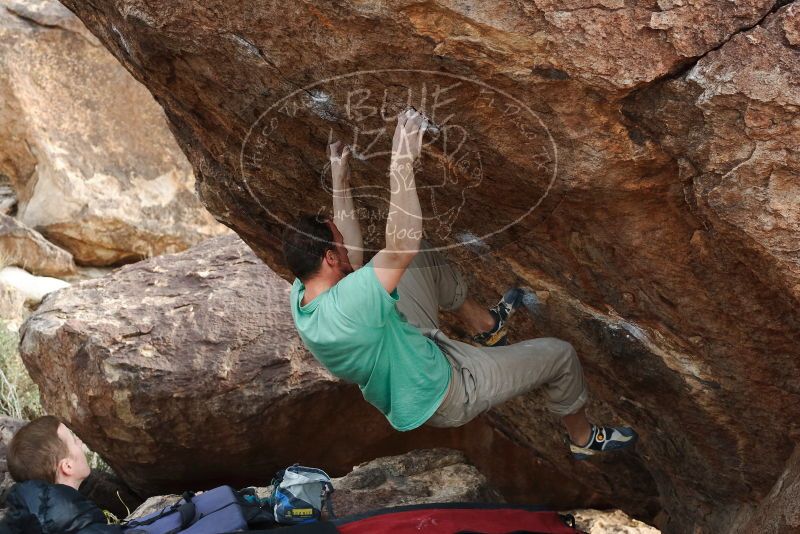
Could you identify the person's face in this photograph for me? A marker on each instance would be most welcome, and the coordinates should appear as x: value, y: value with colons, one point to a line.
x: 340, y: 261
x: 75, y: 464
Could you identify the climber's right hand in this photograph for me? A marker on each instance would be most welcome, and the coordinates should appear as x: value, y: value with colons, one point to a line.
x: 407, y: 142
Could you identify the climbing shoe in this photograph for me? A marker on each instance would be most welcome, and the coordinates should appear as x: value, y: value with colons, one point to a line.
x: 501, y: 312
x: 604, y: 438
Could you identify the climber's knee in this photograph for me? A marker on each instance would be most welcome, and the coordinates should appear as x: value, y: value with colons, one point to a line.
x: 561, y: 351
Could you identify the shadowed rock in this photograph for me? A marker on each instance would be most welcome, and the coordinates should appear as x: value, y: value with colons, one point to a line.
x: 779, y: 512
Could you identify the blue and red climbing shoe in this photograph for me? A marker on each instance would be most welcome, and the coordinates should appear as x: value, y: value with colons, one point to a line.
x: 604, y: 439
x: 502, y: 311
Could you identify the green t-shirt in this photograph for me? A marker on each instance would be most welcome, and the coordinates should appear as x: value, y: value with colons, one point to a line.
x: 355, y: 330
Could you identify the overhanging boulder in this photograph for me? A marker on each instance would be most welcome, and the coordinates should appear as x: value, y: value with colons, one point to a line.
x: 681, y: 299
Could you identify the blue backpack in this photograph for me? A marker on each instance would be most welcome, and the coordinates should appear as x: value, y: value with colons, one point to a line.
x: 299, y: 493
x: 213, y: 512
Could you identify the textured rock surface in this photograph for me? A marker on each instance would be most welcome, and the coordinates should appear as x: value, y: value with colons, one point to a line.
x: 8, y: 199
x: 8, y: 427
x: 646, y: 192
x: 609, y: 522
x: 24, y: 247
x: 780, y: 510
x: 13, y: 311
x: 417, y: 477
x: 86, y: 147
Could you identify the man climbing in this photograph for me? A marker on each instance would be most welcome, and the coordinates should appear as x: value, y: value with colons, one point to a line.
x: 378, y: 325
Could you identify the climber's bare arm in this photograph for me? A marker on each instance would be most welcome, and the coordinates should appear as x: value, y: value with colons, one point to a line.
x: 344, y: 213
x: 404, y: 223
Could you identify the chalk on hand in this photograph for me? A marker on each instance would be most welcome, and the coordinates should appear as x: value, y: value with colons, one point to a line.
x: 428, y: 124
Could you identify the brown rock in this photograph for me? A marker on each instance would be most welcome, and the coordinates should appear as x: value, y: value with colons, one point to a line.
x: 8, y: 427
x: 8, y: 199
x: 610, y: 522
x: 779, y: 512
x: 418, y: 477
x: 13, y: 310
x: 595, y: 167
x: 738, y: 156
x: 24, y: 247
x: 86, y: 148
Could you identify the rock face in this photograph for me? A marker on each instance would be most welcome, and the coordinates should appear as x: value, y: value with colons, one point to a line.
x: 780, y: 510
x: 8, y: 427
x: 634, y: 163
x: 13, y: 310
x: 86, y: 147
x: 418, y: 477
x: 24, y: 247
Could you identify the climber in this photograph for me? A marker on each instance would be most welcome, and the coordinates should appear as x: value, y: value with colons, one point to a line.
x: 378, y: 325
x: 48, y: 463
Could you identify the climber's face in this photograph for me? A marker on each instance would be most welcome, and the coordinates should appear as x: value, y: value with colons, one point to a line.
x: 338, y: 260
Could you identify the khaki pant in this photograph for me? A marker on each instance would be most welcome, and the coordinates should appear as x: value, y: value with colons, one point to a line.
x: 484, y: 376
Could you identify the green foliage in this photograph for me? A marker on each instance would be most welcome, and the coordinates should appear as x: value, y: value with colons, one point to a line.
x: 96, y: 462
x: 111, y: 519
x: 19, y: 396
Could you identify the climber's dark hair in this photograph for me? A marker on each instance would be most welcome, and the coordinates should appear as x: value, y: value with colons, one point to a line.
x: 305, y: 243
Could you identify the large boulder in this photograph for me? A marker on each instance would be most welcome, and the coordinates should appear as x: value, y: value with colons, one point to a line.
x: 86, y: 147
x: 632, y: 162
